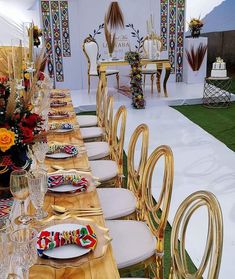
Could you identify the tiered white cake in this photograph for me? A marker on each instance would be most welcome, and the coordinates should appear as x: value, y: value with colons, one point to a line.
x: 219, y: 69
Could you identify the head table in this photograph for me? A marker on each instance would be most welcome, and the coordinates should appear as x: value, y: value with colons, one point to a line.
x: 161, y: 64
x: 104, y: 267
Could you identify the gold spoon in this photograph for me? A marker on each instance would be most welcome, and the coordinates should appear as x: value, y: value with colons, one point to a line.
x: 56, y: 167
x: 62, y: 210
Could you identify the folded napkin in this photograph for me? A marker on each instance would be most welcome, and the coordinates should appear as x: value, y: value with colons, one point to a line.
x: 84, y: 237
x: 77, y: 181
x: 58, y: 95
x: 58, y: 103
x: 58, y: 113
x: 69, y: 149
x: 63, y: 126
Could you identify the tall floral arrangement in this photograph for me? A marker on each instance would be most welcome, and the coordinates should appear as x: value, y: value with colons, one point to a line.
x: 20, y: 125
x: 195, y: 25
x: 133, y: 59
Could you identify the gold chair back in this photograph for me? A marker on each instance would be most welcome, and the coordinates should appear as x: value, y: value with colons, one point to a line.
x: 211, y: 259
x: 90, y: 63
x: 135, y: 174
x: 118, y: 136
x: 155, y: 212
x: 108, y: 119
x: 101, y: 97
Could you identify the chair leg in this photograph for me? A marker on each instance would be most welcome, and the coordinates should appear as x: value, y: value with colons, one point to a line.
x: 152, y: 79
x: 117, y: 77
x: 144, y: 81
x: 89, y: 83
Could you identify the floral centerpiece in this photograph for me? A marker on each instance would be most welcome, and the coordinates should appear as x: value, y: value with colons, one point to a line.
x: 133, y: 59
x: 195, y: 26
x: 20, y: 127
x: 37, y: 33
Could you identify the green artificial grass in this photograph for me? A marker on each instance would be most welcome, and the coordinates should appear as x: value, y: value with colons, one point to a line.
x: 233, y: 86
x: 167, y: 252
x: 219, y: 122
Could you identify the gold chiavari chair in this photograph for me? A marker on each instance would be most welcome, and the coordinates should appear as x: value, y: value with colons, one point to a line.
x: 91, y: 51
x: 211, y: 259
x: 91, y: 120
x: 119, y: 202
x: 96, y: 133
x: 110, y: 172
x: 138, y: 244
x: 100, y: 150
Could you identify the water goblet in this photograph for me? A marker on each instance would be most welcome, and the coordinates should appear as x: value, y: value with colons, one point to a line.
x: 25, y: 250
x: 20, y: 191
x: 37, y: 188
x: 5, y: 247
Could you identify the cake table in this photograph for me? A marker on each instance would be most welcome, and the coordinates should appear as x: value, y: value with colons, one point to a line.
x: 217, y: 92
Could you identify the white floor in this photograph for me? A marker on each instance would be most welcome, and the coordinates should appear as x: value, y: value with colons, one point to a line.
x: 201, y: 161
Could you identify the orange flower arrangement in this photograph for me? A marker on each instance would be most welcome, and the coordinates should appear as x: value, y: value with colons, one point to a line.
x: 7, y: 139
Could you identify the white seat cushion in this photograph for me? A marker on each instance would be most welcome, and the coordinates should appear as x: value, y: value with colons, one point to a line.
x: 108, y: 72
x: 91, y: 132
x: 116, y: 202
x: 111, y: 72
x: 87, y: 120
x: 148, y: 72
x: 97, y: 150
x: 132, y: 242
x: 104, y: 169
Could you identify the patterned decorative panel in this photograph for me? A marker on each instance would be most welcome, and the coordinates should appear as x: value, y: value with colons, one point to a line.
x: 172, y: 33
x: 164, y: 22
x: 55, y: 15
x: 46, y: 22
x: 180, y: 40
x: 64, y: 13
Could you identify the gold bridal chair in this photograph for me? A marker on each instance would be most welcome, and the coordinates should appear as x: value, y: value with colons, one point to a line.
x: 110, y: 172
x: 91, y: 51
x: 151, y: 69
x: 138, y: 244
x: 119, y: 202
x: 211, y: 259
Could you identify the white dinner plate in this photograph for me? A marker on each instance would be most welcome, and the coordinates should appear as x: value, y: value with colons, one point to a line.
x: 59, y: 156
x: 63, y: 189
x: 59, y: 116
x: 62, y: 130
x: 68, y: 251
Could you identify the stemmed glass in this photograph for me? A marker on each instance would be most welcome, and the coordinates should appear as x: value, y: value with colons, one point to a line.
x: 25, y: 250
x: 5, y: 248
x: 20, y: 191
x: 37, y: 188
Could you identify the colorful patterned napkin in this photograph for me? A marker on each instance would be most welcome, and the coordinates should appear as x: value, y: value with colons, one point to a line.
x: 5, y: 207
x: 84, y: 237
x: 77, y: 181
x: 68, y: 149
x: 58, y: 95
x: 58, y: 113
x: 62, y: 126
x: 58, y: 103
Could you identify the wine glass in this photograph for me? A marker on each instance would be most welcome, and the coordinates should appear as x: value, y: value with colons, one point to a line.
x: 37, y: 180
x: 20, y: 191
x: 5, y: 248
x: 25, y: 250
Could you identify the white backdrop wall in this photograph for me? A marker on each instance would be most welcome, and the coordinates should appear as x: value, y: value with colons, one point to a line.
x: 84, y: 17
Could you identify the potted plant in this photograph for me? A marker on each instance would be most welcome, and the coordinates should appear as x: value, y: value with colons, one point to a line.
x: 195, y: 26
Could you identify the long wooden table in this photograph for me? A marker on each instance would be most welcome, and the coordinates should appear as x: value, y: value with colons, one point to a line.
x: 104, y: 268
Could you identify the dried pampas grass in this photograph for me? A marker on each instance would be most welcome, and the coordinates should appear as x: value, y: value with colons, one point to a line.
x: 196, y: 57
x: 40, y: 59
x: 115, y: 17
x: 11, y: 103
x: 109, y: 38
